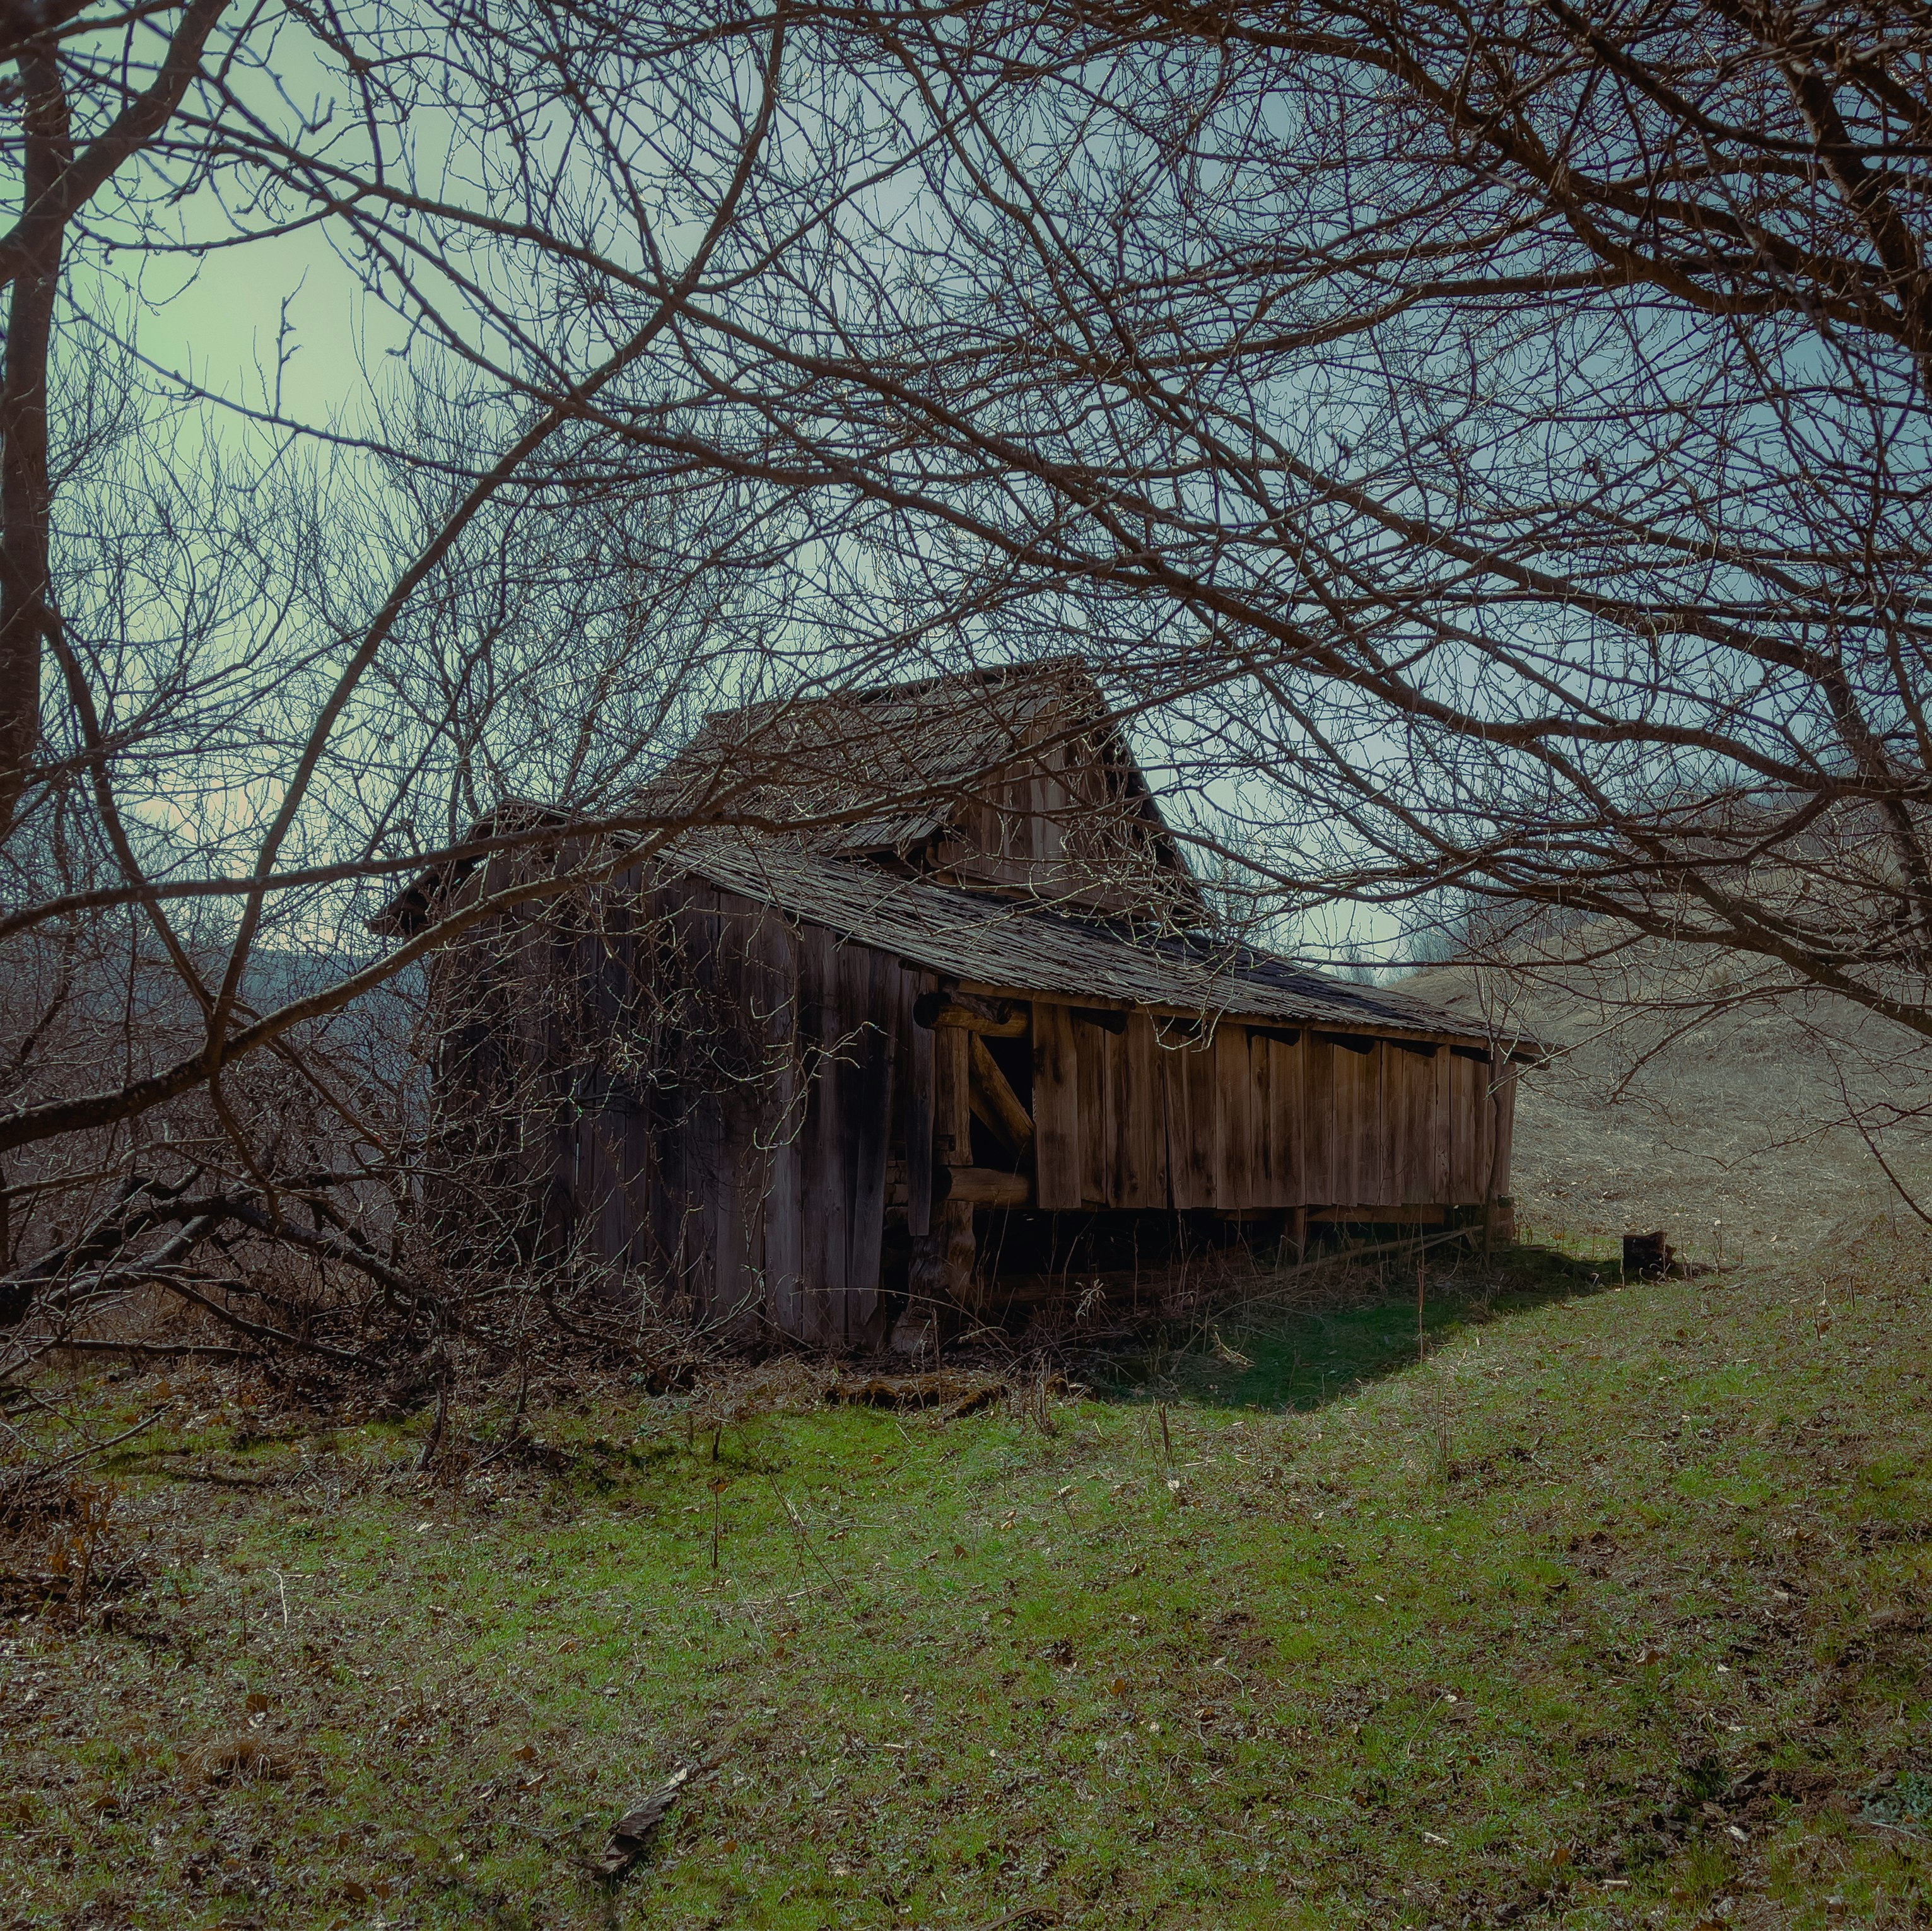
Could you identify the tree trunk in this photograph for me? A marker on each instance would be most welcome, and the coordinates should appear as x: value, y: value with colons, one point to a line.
x: 48, y: 148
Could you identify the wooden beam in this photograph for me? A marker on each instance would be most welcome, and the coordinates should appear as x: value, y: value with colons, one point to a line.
x: 992, y: 1018
x: 1388, y: 1215
x: 995, y: 1102
x: 981, y: 1186
x: 1108, y: 1019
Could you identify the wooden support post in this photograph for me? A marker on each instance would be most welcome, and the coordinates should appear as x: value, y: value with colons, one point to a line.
x: 942, y: 1260
x: 952, y: 1097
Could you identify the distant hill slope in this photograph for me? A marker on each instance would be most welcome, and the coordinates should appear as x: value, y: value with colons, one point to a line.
x: 1742, y: 1120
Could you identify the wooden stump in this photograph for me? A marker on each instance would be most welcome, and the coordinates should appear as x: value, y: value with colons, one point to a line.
x: 1647, y: 1256
x: 941, y: 1273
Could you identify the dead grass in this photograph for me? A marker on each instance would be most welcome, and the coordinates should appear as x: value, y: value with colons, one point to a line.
x: 1734, y: 1138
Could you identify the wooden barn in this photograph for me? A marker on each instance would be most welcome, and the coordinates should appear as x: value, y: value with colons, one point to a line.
x: 954, y: 1018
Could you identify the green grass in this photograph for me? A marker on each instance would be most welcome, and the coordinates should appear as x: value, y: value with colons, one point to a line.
x: 1610, y: 1611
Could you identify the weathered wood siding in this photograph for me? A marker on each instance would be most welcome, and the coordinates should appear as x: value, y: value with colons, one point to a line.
x: 707, y: 1097
x: 750, y: 1080
x: 1234, y: 1118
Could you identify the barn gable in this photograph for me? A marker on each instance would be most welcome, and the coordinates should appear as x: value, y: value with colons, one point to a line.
x: 1016, y: 780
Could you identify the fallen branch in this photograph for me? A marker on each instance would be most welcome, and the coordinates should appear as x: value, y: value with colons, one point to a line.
x: 349, y: 1252
x: 258, y: 1330
x: 211, y: 1350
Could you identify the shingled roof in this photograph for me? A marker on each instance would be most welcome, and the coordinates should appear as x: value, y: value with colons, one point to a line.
x: 992, y: 943
x: 886, y: 773
x: 916, y: 750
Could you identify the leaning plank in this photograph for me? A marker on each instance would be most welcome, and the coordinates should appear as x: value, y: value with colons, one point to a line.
x: 994, y: 1101
x: 1056, y: 1107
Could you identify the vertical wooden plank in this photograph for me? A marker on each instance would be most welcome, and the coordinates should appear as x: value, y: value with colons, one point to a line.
x: 1464, y: 1142
x: 1401, y: 1093
x: 782, y: 1257
x: 630, y: 1118
x: 822, y: 1179
x: 952, y: 1106
x: 1265, y: 1186
x: 1321, y: 1180
x: 1056, y: 1109
x: 1094, y: 1047
x: 870, y: 983
x: 1372, y: 1169
x: 1235, y: 1091
x: 1287, y: 1064
x: 1424, y: 1182
x: 1193, y: 1137
x: 671, y: 1150
x: 1442, y: 1107
x: 915, y: 1104
x: 1140, y: 1174
x: 1395, y: 1123
x: 1422, y: 1157
x: 1345, y: 1099
x: 734, y: 1181
x: 708, y: 1228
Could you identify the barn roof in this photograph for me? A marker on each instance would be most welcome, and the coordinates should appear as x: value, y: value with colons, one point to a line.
x: 993, y: 942
x: 918, y: 746
x: 903, y: 755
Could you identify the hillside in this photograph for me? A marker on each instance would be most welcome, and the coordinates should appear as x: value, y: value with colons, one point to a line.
x: 1742, y: 1120
x: 1613, y: 1613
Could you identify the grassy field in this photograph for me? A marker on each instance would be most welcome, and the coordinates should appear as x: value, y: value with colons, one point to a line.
x: 1614, y: 1609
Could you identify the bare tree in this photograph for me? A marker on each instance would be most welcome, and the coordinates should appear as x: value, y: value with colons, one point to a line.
x: 255, y: 664
x: 1492, y: 445
x: 1485, y: 450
